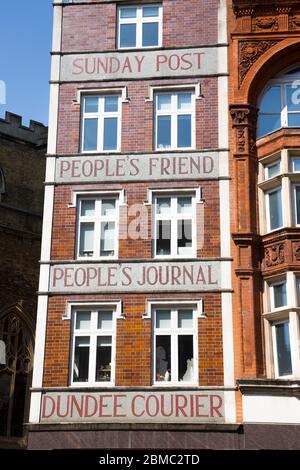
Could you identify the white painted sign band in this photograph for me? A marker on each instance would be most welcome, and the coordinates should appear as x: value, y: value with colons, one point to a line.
x: 136, y: 277
x: 168, y: 406
x: 139, y: 64
x: 167, y: 166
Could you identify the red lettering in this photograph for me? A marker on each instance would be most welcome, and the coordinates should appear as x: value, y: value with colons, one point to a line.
x: 118, y: 405
x: 214, y: 408
x: 160, y: 59
x: 64, y: 167
x: 103, y: 405
x: 133, y: 404
x: 180, y: 407
x: 78, y: 64
x: 139, y: 60
x: 186, y: 61
x: 148, y: 407
x: 44, y: 407
x: 200, y: 405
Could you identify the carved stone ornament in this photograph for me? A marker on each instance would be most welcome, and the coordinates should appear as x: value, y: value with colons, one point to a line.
x: 294, y: 22
x: 297, y: 252
x: 274, y: 255
x: 266, y: 24
x: 249, y: 53
x: 243, y: 115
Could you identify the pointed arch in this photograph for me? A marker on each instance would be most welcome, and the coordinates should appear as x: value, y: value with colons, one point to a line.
x: 17, y: 334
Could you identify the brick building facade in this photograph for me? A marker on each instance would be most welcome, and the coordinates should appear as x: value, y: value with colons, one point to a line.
x: 150, y: 324
x: 22, y: 149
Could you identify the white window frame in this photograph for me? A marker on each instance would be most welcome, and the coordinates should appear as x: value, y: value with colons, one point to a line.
x: 174, y: 217
x: 275, y: 352
x: 272, y: 297
x: 174, y: 112
x: 139, y: 21
x: 266, y: 169
x: 100, y: 116
x: 293, y: 159
x: 267, y: 195
x: 97, y: 219
x: 93, y: 333
x: 282, y: 81
x: 294, y: 188
x: 174, y: 332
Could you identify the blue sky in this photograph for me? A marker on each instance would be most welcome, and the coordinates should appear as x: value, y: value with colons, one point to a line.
x: 25, y: 44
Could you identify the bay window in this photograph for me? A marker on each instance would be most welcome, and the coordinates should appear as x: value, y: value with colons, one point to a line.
x: 97, y: 227
x: 174, y: 120
x: 274, y: 212
x: 101, y: 123
x: 93, y: 346
x: 175, y: 340
x: 280, y: 104
x: 282, y: 349
x: 140, y: 26
x: 174, y: 225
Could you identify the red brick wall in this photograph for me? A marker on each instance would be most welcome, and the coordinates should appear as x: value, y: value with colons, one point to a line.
x: 185, y: 23
x: 137, y: 115
x: 133, y: 352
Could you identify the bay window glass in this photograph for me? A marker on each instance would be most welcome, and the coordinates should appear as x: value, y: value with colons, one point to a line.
x: 101, y: 123
x: 174, y: 224
x: 279, y: 294
x: 174, y: 120
x: 297, y: 203
x: 140, y: 26
x: 175, y: 345
x: 93, y: 342
x: 274, y: 209
x: 282, y: 349
x: 273, y: 169
x: 97, y: 227
x: 280, y: 104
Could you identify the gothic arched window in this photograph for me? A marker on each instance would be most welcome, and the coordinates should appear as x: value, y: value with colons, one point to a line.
x: 279, y: 105
x: 14, y: 373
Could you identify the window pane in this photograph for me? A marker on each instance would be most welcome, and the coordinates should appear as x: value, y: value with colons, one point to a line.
x: 150, y: 11
x: 294, y: 120
x: 163, y: 205
x: 91, y: 104
x: 163, y: 358
x: 273, y: 170
x: 271, y: 102
x: 283, y: 349
x: 164, y: 102
x: 280, y: 299
x: 86, y: 244
x: 268, y: 123
x: 127, y: 35
x: 184, y: 101
x: 275, y: 209
x: 81, y: 359
x: 111, y: 104
x: 87, y: 208
x: 90, y: 134
x: 163, y: 319
x: 185, y: 359
x: 83, y: 320
x: 110, y: 134
x: 150, y: 34
x: 107, y: 244
x: 293, y: 101
x: 128, y: 12
x: 296, y: 164
x: 103, y: 359
x: 297, y: 198
x: 184, y: 131
x: 185, y: 318
x: 163, y: 242
x: 105, y: 320
x: 108, y: 207
x: 184, y: 205
x: 163, y: 132
x: 184, y: 235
